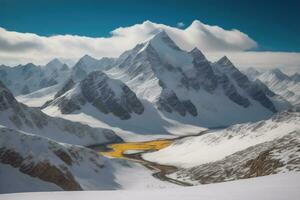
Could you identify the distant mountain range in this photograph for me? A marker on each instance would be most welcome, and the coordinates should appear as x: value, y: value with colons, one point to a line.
x: 280, y: 83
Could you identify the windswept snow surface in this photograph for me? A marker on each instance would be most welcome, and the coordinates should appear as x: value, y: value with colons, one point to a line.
x: 274, y: 187
x: 39, y: 97
x: 216, y: 145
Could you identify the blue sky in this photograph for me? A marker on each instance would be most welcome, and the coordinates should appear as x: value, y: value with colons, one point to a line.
x: 274, y: 25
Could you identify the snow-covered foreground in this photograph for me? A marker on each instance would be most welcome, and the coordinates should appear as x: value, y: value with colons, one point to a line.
x: 275, y: 187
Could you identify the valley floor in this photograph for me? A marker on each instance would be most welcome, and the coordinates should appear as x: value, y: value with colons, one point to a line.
x: 274, y: 187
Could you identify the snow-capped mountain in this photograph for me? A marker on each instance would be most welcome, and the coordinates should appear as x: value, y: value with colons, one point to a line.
x: 240, y: 151
x: 17, y: 116
x: 286, y: 86
x: 174, y: 85
x: 25, y: 79
x: 181, y: 83
x: 88, y: 64
x: 36, y: 163
x: 103, y: 93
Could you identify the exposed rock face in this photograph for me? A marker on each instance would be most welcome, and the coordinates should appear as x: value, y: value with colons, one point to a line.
x: 67, y: 86
x: 231, y: 92
x: 204, y: 75
x: 279, y: 155
x: 7, y: 99
x: 67, y: 166
x: 105, y: 94
x: 43, y: 170
x: 101, y: 91
x: 243, y: 82
x: 168, y: 101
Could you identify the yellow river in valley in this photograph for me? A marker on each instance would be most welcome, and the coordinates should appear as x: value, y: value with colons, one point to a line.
x: 118, y: 150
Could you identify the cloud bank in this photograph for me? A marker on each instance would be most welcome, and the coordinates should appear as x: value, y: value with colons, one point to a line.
x: 214, y: 41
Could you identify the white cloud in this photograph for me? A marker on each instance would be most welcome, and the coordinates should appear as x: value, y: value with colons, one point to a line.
x: 214, y: 41
x: 180, y: 25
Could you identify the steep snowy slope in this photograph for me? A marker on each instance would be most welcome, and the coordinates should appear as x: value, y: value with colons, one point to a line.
x: 286, y: 86
x: 31, y: 120
x: 240, y: 151
x: 69, y: 167
x: 25, y: 79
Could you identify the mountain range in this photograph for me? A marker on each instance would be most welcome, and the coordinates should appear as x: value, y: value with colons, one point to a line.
x: 233, y: 124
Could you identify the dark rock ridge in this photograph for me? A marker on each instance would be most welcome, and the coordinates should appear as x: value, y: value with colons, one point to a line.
x: 67, y: 86
x: 168, y: 101
x: 243, y: 82
x: 105, y: 94
x: 99, y: 90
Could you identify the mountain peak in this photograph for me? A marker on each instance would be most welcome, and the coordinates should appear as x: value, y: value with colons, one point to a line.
x: 279, y: 74
x: 54, y: 64
x: 224, y: 61
x: 197, y: 53
x: 161, y: 38
x: 87, y: 59
x: 296, y: 77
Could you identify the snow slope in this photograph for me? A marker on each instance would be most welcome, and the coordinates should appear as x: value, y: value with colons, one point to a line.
x: 216, y: 145
x: 39, y: 97
x: 70, y: 167
x: 275, y: 187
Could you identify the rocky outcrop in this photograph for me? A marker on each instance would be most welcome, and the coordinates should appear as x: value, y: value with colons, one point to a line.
x: 67, y: 166
x: 169, y: 102
x: 110, y: 96
x: 42, y: 170
x: 105, y: 94
x: 67, y: 86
